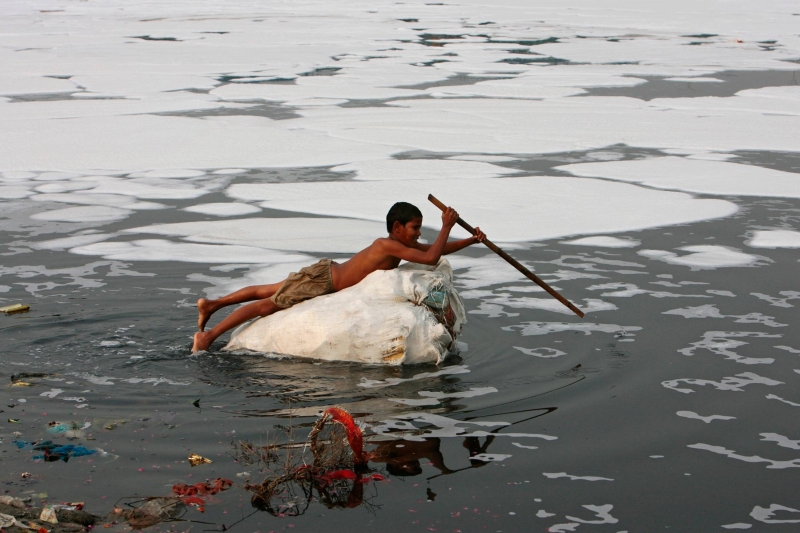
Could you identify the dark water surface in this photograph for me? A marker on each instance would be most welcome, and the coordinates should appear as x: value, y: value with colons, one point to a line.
x: 113, y: 337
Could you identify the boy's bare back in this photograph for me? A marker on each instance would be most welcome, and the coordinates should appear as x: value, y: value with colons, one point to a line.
x: 401, y: 245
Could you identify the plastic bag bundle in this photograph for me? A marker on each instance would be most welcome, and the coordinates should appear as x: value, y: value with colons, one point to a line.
x: 408, y: 315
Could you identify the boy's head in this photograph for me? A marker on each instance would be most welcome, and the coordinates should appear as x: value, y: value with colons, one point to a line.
x: 401, y: 212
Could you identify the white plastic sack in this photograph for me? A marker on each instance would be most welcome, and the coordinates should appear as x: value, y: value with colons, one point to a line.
x: 388, y: 318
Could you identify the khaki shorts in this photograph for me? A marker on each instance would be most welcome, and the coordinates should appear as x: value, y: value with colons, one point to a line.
x: 310, y: 282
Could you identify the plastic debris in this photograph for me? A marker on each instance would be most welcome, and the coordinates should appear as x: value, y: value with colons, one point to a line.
x: 196, y: 460
x: 59, y: 452
x: 6, y: 520
x: 25, y: 475
x: 12, y: 502
x: 337, y: 473
x: 48, y: 514
x: 21, y: 384
x: 13, y: 420
x: 16, y: 308
x: 151, y: 511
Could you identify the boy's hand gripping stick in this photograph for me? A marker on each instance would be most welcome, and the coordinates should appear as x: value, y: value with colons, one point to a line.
x: 513, y: 262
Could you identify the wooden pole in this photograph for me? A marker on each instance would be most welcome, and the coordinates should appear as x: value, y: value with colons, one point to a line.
x: 513, y: 262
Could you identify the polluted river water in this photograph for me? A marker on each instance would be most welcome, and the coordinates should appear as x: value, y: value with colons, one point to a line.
x: 174, y: 152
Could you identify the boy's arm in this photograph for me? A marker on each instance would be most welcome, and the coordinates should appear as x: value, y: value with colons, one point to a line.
x: 454, y: 246
x: 431, y: 254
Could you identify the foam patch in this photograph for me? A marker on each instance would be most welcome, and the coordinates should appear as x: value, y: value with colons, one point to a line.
x: 163, y: 250
x: 230, y: 209
x: 323, y: 235
x: 707, y: 257
x: 93, y: 213
x: 422, y: 169
x: 603, y: 241
x: 774, y: 239
x: 692, y: 175
x: 508, y: 210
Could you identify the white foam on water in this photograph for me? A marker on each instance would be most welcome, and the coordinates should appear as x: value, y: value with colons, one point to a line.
x: 80, y: 106
x: 774, y: 397
x: 721, y: 293
x: 734, y: 383
x: 788, y: 349
x: 435, y: 398
x: 340, y: 87
x: 706, y: 419
x: 482, y: 272
x: 627, y: 290
x: 52, y: 393
x: 780, y: 440
x: 765, y: 515
x: 109, y: 380
x: 422, y: 169
x: 509, y: 210
x: 547, y: 304
x: 711, y: 311
x: 557, y: 475
x: 14, y: 193
x: 229, y: 209
x: 737, y: 525
x: 163, y: 250
x: 324, y: 235
x: 170, y: 142
x: 169, y: 173
x: 388, y: 382
x: 603, y: 512
x: 779, y: 302
x: 62, y: 186
x: 604, y: 242
x: 766, y: 100
x: 774, y: 239
x: 74, y: 241
x: 559, y: 528
x: 692, y: 175
x: 543, y: 328
x: 15, y: 84
x: 111, y: 200
x: 543, y: 352
x: 707, y: 257
x: 523, y: 446
x: 484, y: 158
x: 402, y: 426
x: 503, y: 126
x: 773, y: 464
x: 492, y: 311
x: 93, y: 213
x: 229, y: 171
x: 699, y: 79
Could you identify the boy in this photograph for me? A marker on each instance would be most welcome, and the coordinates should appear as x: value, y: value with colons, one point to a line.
x: 403, y: 223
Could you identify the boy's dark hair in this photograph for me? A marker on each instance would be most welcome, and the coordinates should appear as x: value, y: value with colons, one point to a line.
x: 402, y: 212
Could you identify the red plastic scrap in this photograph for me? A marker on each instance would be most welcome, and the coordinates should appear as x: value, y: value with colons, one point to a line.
x: 354, y: 437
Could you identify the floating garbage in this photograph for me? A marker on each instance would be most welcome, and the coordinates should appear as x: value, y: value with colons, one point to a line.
x: 336, y: 472
x: 195, y: 459
x: 59, y: 452
x: 408, y: 315
x: 16, y: 308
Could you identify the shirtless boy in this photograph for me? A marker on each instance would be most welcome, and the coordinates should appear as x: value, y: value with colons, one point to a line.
x: 403, y: 222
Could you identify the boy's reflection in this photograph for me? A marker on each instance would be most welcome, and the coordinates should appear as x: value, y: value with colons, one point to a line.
x: 402, y: 457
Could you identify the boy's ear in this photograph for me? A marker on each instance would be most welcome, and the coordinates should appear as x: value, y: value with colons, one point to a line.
x: 396, y: 226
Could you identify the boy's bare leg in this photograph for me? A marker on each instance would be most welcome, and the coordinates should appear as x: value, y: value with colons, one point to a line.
x: 203, y: 339
x: 206, y: 308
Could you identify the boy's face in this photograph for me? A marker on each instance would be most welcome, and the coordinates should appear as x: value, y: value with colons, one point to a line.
x: 408, y: 233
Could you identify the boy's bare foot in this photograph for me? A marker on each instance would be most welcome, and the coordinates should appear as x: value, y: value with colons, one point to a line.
x: 204, y: 312
x: 202, y: 340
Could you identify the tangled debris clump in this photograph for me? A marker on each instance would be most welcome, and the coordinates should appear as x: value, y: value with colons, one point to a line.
x: 336, y: 471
